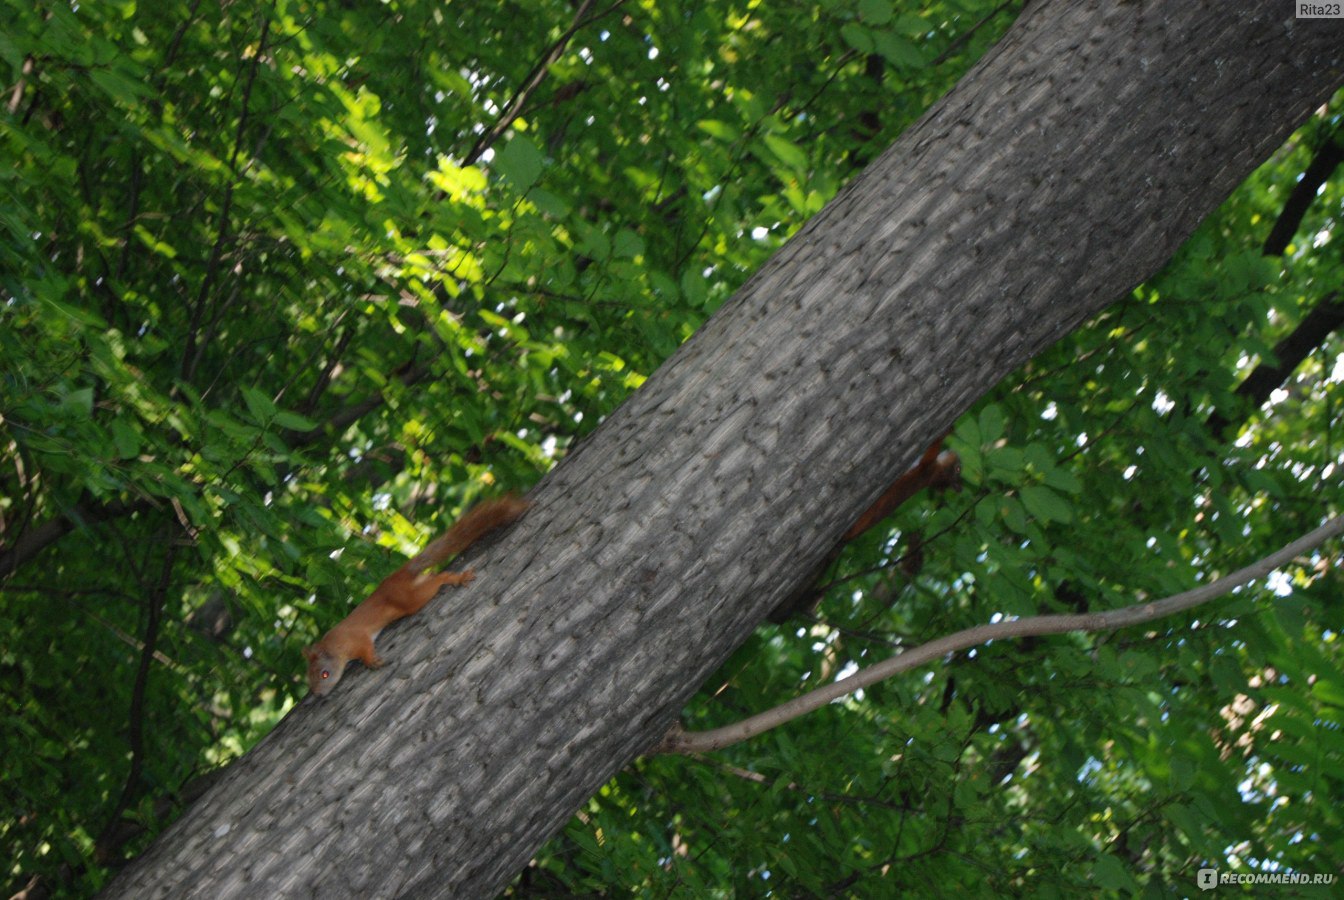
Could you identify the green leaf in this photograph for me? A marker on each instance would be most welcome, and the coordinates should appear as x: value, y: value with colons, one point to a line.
x: 548, y: 203
x: 875, y: 12
x: 991, y: 423
x: 858, y: 37
x: 126, y: 439
x: 121, y: 87
x: 1063, y: 480
x: 627, y: 244
x: 695, y: 288
x: 1006, y: 464
x: 1185, y: 818
x: 786, y: 152
x: 718, y: 129
x: 898, y: 50
x: 1045, y: 504
x: 1109, y: 873
x: 1182, y: 772
x: 10, y: 53
x: 259, y: 405
x: 293, y: 421
x: 911, y: 25
x: 1013, y: 514
x: 520, y: 162
x: 1329, y: 689
x: 78, y: 402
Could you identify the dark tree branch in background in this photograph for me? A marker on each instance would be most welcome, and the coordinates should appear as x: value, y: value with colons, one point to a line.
x: 533, y: 79
x: 1317, y: 326
x: 869, y: 122
x: 680, y: 741
x: 329, y: 369
x: 30, y: 543
x: 336, y: 423
x: 1289, y: 353
x: 1322, y: 166
x: 193, y: 338
x: 135, y: 726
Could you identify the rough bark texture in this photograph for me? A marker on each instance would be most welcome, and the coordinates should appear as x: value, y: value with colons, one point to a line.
x: 1065, y: 168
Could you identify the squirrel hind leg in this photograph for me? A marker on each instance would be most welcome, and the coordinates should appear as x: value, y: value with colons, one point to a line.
x: 450, y: 579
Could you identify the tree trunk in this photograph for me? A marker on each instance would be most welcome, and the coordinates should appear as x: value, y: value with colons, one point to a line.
x: 1065, y: 168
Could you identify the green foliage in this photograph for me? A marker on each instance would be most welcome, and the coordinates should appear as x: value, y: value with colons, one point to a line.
x: 283, y: 286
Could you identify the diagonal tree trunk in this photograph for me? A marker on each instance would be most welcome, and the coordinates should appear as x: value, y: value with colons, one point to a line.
x: 1066, y: 167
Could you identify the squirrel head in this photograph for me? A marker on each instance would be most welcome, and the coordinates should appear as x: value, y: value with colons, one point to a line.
x: 324, y: 670
x: 947, y: 472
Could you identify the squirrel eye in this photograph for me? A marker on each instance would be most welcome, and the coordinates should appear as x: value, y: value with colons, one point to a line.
x: 326, y: 674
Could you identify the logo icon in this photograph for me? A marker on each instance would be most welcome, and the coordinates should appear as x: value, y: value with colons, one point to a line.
x: 1207, y: 879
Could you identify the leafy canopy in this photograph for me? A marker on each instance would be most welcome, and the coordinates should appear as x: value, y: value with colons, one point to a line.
x: 285, y: 285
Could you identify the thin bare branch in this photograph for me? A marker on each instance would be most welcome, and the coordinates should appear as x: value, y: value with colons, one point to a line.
x: 534, y: 79
x: 679, y: 741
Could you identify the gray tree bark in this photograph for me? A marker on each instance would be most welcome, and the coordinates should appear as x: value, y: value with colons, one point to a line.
x: 1065, y: 168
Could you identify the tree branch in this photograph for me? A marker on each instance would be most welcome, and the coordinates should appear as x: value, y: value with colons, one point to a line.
x: 679, y: 741
x: 1328, y: 157
x: 16, y: 94
x: 30, y: 543
x: 107, y: 843
x: 1318, y: 324
x: 533, y: 79
x: 194, y: 339
x: 1307, y: 337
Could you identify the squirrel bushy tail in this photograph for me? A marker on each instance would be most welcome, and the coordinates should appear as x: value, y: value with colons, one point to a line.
x: 473, y: 525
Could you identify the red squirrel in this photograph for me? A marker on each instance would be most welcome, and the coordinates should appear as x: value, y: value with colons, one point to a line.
x: 403, y: 593
x: 937, y: 469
